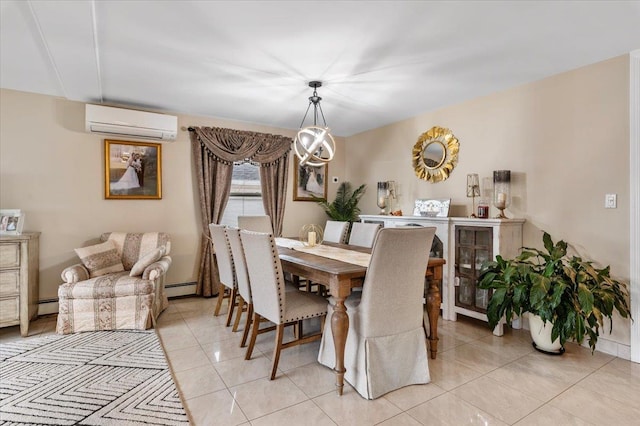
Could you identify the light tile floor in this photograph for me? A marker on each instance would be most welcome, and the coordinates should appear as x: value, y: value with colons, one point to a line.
x: 477, y: 379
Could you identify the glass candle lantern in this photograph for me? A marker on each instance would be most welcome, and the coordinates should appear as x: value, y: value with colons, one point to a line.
x: 383, y: 196
x: 501, y: 191
x: 311, y: 235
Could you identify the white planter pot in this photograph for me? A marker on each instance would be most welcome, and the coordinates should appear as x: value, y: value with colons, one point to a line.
x: 541, y: 335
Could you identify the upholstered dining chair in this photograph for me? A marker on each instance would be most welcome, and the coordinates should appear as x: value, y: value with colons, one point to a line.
x: 255, y: 223
x: 386, y: 348
x: 242, y: 279
x: 363, y: 234
x: 226, y: 270
x: 270, y: 298
x: 335, y: 231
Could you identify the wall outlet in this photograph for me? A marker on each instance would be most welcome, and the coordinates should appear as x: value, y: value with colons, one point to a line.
x: 335, y: 179
x: 610, y: 201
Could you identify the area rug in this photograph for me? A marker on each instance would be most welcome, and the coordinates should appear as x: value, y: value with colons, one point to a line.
x: 94, y: 378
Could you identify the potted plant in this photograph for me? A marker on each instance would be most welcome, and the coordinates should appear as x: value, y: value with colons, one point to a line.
x: 345, y: 206
x: 570, y: 296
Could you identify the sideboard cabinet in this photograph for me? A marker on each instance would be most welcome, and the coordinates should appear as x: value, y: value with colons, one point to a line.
x: 466, y: 244
x: 19, y: 279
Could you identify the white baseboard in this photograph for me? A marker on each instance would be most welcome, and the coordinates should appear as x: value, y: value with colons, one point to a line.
x: 50, y: 306
x: 184, y: 289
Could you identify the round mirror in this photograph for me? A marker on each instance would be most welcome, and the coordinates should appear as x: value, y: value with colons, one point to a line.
x: 435, y: 154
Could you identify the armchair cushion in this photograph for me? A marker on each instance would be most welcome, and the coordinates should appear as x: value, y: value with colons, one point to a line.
x: 100, y: 259
x: 131, y: 246
x: 146, y: 260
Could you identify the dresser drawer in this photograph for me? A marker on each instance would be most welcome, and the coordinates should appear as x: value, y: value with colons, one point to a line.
x: 9, y: 282
x: 10, y: 310
x: 9, y: 255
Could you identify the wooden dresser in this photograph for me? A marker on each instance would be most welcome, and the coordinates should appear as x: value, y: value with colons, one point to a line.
x: 19, y: 279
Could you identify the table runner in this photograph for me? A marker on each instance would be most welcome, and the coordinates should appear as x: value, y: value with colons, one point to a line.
x: 343, y: 255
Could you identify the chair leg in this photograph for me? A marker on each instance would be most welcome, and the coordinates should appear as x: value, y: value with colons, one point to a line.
x: 254, y: 335
x: 276, y: 350
x: 221, y: 291
x: 232, y: 305
x: 247, y: 325
x: 239, y: 314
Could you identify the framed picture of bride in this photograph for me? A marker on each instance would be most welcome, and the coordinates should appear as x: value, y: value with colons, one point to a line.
x: 133, y: 170
x: 309, y: 181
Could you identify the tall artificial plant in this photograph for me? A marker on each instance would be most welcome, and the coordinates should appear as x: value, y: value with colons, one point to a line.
x: 345, y: 206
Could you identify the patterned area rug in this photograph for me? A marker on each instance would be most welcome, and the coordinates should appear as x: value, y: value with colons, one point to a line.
x: 95, y: 378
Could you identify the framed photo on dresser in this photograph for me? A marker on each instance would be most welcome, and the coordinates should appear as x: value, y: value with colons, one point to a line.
x: 11, y: 222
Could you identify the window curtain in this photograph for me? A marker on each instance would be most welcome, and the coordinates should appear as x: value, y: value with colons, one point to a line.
x: 214, y: 152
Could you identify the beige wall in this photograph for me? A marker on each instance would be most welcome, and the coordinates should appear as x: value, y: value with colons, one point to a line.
x: 54, y: 171
x: 565, y: 140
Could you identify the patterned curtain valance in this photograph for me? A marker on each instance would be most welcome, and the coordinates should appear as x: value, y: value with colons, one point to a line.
x: 229, y: 145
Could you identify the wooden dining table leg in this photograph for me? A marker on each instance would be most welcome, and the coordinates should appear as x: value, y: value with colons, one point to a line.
x: 433, y: 311
x: 339, y: 328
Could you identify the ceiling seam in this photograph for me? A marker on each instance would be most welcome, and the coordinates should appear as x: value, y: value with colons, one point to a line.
x: 46, y: 47
x: 95, y: 47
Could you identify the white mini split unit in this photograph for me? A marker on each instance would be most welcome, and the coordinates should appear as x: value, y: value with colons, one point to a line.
x: 130, y: 123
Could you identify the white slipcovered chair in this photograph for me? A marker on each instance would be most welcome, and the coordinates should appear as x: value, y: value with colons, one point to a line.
x: 363, y: 234
x: 335, y: 231
x: 271, y: 300
x: 255, y: 223
x: 226, y: 272
x: 386, y: 347
x: 118, y: 286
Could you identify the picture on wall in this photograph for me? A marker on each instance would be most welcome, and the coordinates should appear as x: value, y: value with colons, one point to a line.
x: 11, y: 222
x: 309, y: 181
x: 133, y: 170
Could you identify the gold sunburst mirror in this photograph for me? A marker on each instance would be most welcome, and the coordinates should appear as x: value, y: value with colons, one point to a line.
x: 435, y: 154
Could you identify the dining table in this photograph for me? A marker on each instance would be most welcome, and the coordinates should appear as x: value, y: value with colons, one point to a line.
x: 340, y: 277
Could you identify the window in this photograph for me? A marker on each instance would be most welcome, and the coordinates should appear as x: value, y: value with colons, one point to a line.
x: 245, y: 198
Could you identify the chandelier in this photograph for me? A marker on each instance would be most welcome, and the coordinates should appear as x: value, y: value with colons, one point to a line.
x: 314, y: 145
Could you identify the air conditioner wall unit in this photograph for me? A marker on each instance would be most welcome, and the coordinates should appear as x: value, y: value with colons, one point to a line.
x: 120, y: 122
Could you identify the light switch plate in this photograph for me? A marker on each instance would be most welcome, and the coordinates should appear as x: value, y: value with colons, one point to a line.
x: 610, y: 201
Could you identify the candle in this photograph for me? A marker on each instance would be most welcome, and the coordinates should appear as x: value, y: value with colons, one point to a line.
x: 311, y: 239
x: 501, y: 200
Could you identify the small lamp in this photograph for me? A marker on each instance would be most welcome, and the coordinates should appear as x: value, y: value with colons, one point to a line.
x: 473, y: 191
x: 311, y: 235
x: 501, y: 191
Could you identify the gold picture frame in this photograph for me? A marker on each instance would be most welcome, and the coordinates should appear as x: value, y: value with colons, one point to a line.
x: 133, y: 170
x: 309, y: 181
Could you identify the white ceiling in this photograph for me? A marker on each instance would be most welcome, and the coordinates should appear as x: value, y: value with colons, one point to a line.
x: 251, y: 61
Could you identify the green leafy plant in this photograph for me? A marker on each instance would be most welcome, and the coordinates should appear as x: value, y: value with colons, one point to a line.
x: 569, y: 292
x: 345, y: 206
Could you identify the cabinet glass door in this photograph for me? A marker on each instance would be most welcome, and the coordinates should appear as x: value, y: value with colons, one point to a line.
x: 473, y: 248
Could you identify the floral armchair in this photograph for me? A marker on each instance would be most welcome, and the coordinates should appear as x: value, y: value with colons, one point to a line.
x: 118, y: 285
